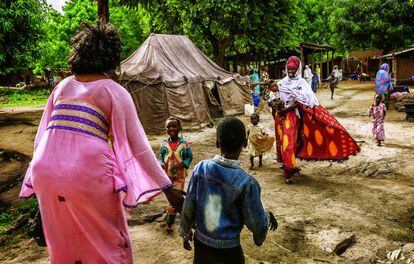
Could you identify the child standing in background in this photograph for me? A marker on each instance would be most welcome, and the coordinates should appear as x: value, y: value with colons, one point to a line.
x: 258, y: 141
x: 377, y: 113
x: 175, y: 157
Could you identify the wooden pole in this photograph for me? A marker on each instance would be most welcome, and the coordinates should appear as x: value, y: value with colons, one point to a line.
x: 235, y: 65
x: 320, y: 65
x: 327, y: 63
x: 312, y: 62
x: 395, y: 66
x: 276, y: 69
x: 302, y: 55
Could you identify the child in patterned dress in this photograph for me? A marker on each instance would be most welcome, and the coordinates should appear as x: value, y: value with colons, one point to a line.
x: 377, y: 113
x: 175, y: 158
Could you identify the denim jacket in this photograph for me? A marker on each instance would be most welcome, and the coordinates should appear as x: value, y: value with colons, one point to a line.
x: 221, y: 199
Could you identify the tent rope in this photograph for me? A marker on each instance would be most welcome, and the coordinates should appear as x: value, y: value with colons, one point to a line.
x: 142, y: 88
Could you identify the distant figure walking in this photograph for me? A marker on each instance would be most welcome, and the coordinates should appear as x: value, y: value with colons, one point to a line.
x: 315, y: 82
x: 334, y: 79
x: 307, y: 74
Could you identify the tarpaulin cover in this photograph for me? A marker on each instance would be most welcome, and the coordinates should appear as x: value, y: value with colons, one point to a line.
x: 165, y: 76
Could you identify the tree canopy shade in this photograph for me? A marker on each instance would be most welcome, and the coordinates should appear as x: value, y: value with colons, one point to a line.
x: 58, y: 29
x: 372, y: 23
x: 315, y: 21
x: 238, y: 26
x: 33, y: 34
x: 20, y: 31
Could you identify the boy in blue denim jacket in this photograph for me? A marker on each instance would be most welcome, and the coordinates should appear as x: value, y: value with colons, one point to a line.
x: 221, y: 199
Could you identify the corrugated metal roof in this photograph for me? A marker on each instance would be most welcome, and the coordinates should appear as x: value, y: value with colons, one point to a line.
x: 397, y: 53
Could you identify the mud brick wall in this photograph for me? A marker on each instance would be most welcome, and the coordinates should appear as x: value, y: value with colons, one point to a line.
x: 405, y: 67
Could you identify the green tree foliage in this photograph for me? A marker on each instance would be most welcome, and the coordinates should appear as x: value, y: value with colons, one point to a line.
x: 133, y: 26
x: 372, y: 23
x: 20, y: 31
x: 314, y: 21
x: 33, y: 34
x: 236, y: 26
x: 59, y: 28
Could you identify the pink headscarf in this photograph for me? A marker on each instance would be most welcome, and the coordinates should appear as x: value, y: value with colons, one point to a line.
x: 294, y: 62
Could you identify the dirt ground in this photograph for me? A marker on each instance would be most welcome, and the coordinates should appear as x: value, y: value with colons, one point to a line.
x: 371, y: 195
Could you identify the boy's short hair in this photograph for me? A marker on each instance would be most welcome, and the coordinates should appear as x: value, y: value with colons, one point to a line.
x: 255, y: 114
x: 231, y: 134
x: 173, y: 119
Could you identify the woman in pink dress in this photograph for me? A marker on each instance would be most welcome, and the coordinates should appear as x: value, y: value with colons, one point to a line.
x: 91, y: 147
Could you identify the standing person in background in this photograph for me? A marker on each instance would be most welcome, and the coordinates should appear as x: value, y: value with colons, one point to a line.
x: 315, y: 82
x: 265, y: 74
x: 257, y: 93
x: 90, y: 147
x: 358, y: 70
x: 318, y: 72
x: 334, y: 80
x: 258, y: 140
x: 307, y: 74
x: 383, y: 85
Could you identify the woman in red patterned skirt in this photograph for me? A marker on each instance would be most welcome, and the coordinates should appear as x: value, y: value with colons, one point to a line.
x: 304, y: 129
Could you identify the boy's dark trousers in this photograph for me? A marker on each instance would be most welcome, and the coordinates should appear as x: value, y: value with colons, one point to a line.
x: 204, y: 254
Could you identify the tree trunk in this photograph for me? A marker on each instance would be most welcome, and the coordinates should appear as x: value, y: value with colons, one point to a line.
x: 219, y: 48
x: 235, y: 66
x: 103, y: 11
x: 215, y: 46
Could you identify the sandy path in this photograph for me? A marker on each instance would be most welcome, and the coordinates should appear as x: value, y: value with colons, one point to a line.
x: 368, y: 195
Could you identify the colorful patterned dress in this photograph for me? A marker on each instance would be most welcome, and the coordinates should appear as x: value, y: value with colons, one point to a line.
x: 287, y: 128
x: 308, y: 132
x: 172, y: 153
x: 383, y: 83
x: 322, y: 137
x: 377, y: 117
x: 78, y: 177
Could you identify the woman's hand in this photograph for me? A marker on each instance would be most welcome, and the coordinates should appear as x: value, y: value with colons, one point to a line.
x: 281, y: 111
x: 175, y: 198
x: 284, y: 110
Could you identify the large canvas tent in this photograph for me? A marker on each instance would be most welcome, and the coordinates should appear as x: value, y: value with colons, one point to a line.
x: 169, y: 76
